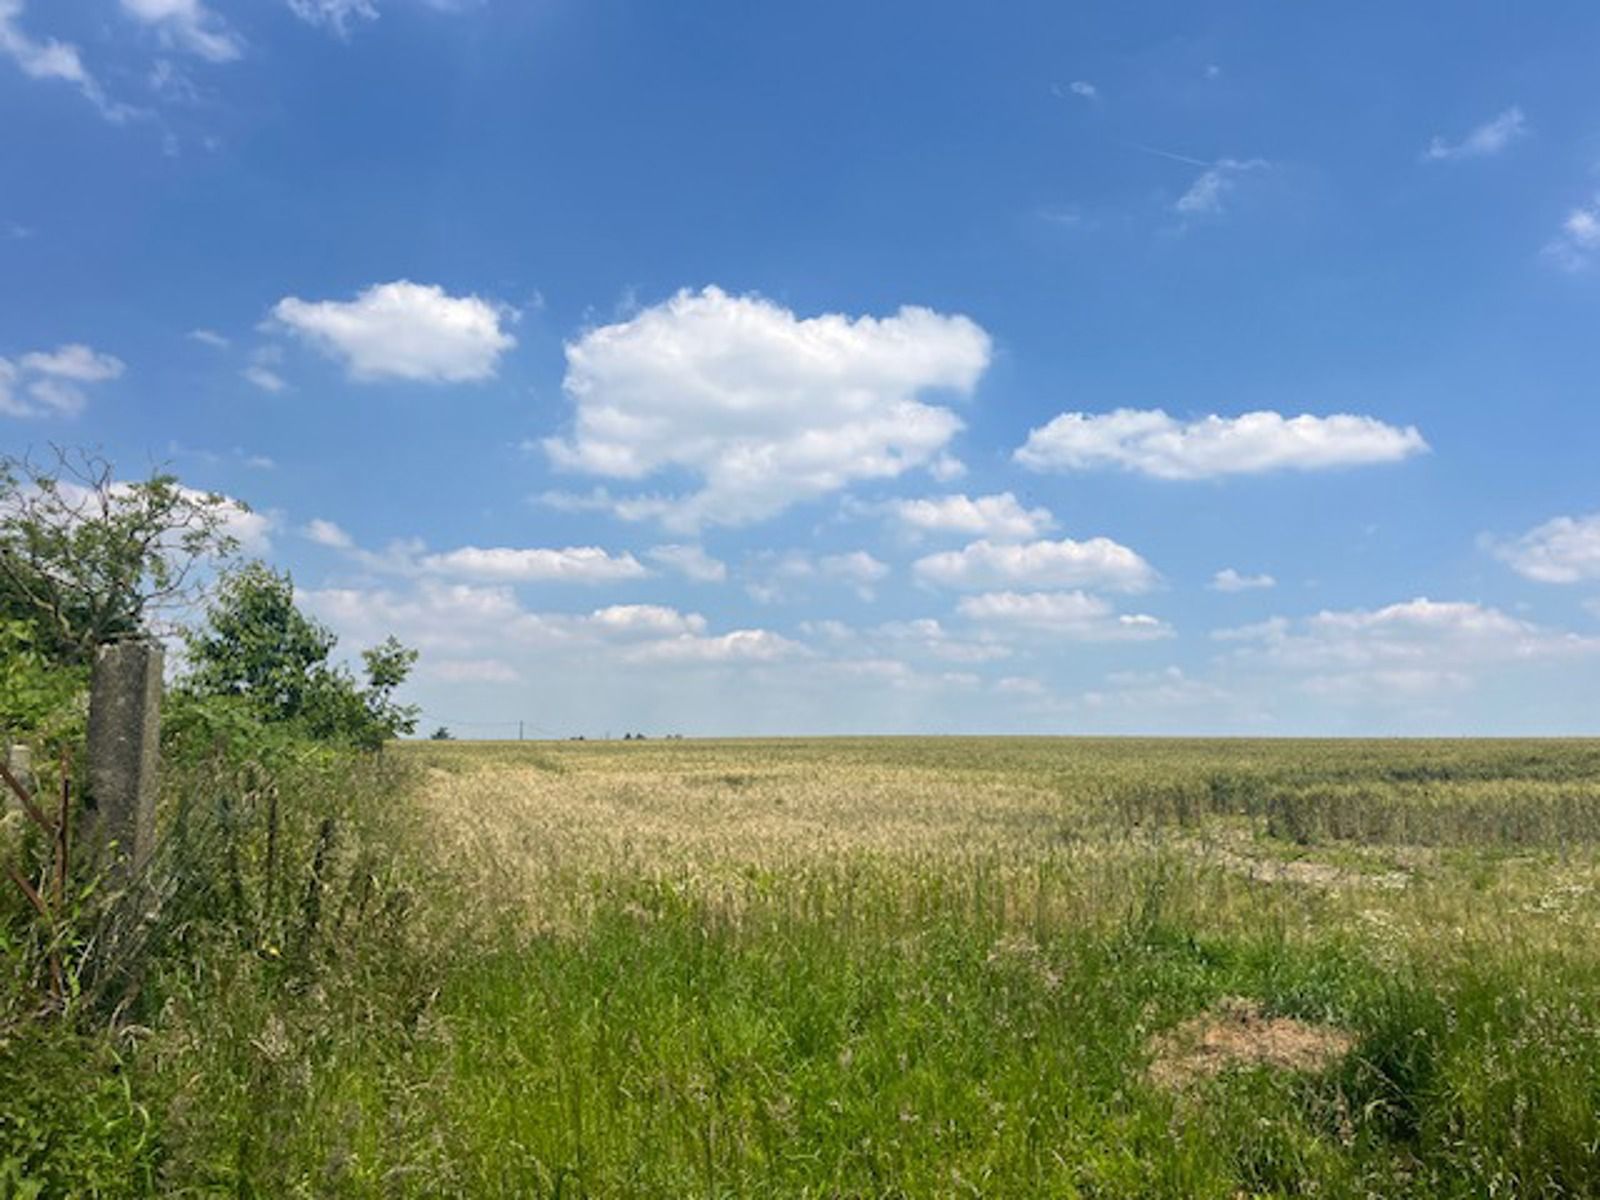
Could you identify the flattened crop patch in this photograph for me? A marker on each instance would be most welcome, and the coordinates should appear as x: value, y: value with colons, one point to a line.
x: 1236, y: 1034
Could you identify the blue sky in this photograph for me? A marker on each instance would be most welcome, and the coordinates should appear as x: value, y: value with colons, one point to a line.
x: 729, y: 368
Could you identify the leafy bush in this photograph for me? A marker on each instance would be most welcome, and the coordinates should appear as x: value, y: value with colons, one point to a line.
x: 256, y: 645
x: 37, y: 694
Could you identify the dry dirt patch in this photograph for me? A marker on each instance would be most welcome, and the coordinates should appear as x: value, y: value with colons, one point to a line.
x: 1308, y: 872
x: 1237, y: 1034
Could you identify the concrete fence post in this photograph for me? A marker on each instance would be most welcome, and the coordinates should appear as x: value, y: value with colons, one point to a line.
x: 19, y: 759
x: 124, y: 751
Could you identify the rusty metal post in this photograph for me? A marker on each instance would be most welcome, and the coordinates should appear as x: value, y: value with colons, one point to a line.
x: 124, y: 751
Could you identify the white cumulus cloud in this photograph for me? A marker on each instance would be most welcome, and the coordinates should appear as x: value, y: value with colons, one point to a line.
x: 575, y: 564
x: 1073, y: 614
x: 52, y: 383
x: 646, y: 620
x: 1562, y: 550
x: 76, y: 362
x: 1000, y: 518
x: 764, y: 408
x: 1484, y: 141
x: 1229, y: 580
x: 1098, y: 562
x: 1152, y: 443
x: 403, y: 330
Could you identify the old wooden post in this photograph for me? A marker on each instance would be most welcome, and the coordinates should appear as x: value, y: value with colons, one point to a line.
x: 124, y: 750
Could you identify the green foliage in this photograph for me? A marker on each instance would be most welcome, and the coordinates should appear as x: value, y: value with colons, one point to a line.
x: 37, y: 694
x: 70, y: 1124
x: 256, y: 645
x: 86, y: 559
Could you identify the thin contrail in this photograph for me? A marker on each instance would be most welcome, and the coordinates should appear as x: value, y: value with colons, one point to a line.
x: 1159, y: 153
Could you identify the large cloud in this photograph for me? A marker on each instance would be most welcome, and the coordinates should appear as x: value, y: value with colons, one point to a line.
x: 1152, y: 443
x: 1562, y: 550
x: 403, y: 330
x: 763, y: 408
x: 1098, y: 562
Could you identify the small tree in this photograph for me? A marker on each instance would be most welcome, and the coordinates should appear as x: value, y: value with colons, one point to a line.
x: 85, y: 559
x: 256, y: 644
x: 441, y: 734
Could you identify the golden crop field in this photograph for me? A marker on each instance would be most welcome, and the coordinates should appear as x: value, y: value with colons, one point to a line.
x: 1028, y: 966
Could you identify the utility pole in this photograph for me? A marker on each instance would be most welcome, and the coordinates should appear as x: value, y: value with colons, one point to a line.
x: 519, y: 731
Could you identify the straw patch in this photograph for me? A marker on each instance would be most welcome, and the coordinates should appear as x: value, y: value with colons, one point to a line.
x: 1235, y: 1034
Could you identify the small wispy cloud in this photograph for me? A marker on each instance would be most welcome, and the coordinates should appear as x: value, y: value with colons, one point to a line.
x: 325, y: 533
x: 207, y: 337
x: 334, y: 15
x: 1485, y: 141
x: 1064, y: 216
x: 1579, y: 240
x: 1080, y: 88
x: 51, y: 58
x: 1208, y: 193
x: 263, y: 369
x: 214, y: 458
x: 265, y: 378
x: 188, y: 25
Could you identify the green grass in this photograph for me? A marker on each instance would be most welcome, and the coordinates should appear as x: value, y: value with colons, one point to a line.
x: 876, y: 968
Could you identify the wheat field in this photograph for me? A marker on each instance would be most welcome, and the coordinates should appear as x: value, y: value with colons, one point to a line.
x: 962, y: 967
